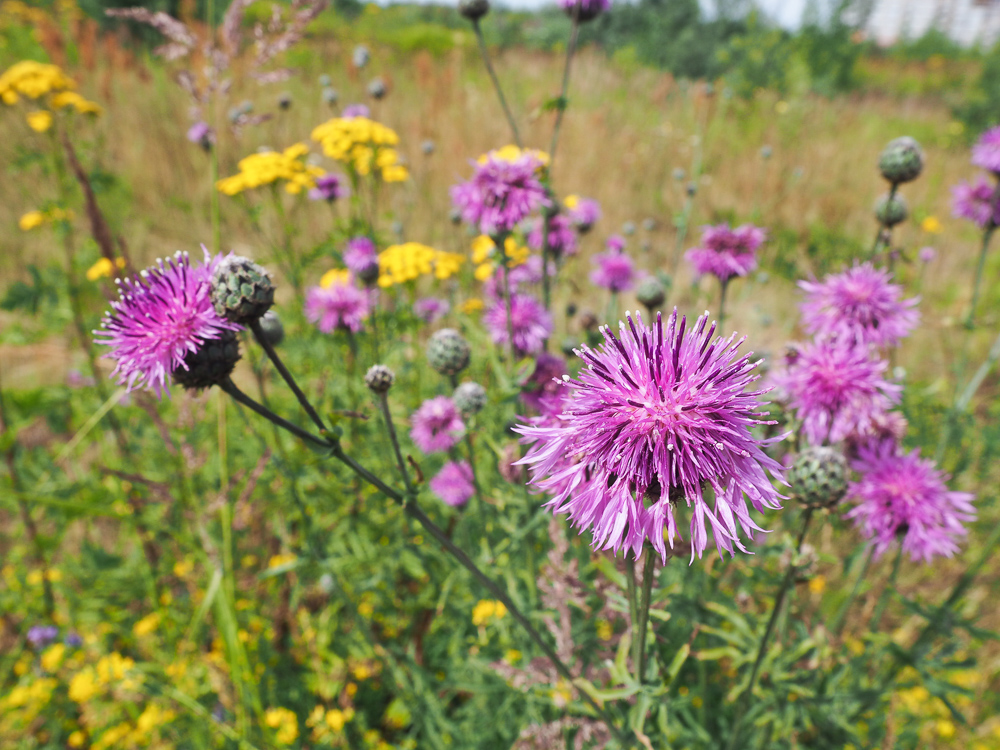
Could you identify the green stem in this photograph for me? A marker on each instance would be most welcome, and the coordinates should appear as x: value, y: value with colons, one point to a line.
x: 887, y: 592
x: 978, y: 280
x: 883, y: 229
x: 647, y: 595
x: 383, y: 403
x: 633, y: 609
x: 485, y: 53
x: 722, y: 304
x: 837, y: 626
x: 561, y: 111
x: 285, y: 374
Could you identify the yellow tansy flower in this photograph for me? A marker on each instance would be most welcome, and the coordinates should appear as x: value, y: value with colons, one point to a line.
x: 932, y: 225
x: 31, y: 220
x: 104, y: 268
x: 285, y: 722
x: 335, y: 276
x: 52, y: 657
x: 40, y: 120
x: 364, y: 145
x: 411, y: 260
x: 146, y: 625
x: 817, y: 585
x: 77, y: 102
x: 487, y: 610
x: 267, y: 167
x: 32, y: 80
x: 471, y: 305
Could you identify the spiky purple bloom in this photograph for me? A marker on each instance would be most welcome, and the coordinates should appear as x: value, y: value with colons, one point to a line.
x: 657, y: 415
x: 337, y: 307
x: 453, y: 484
x: 986, y: 152
x: 431, y: 309
x: 902, y: 496
x: 502, y: 193
x: 838, y: 390
x: 861, y: 305
x: 361, y: 255
x: 562, y: 238
x: 355, y: 110
x: 585, y: 10
x: 977, y: 202
x: 543, y: 391
x: 615, y: 243
x: 436, y: 425
x: 201, y: 134
x: 329, y: 187
x: 725, y: 252
x: 532, y: 323
x: 40, y: 636
x: 161, y: 316
x: 585, y: 214
x: 615, y: 271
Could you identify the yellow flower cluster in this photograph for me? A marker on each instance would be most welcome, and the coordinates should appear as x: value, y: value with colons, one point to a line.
x: 401, y: 263
x: 364, y: 145
x: 483, y: 250
x: 35, y: 219
x: 113, y: 668
x: 104, y: 268
x: 126, y: 735
x: 27, y: 701
x: 68, y: 99
x: 32, y: 80
x: 328, y: 723
x: 267, y: 167
x: 284, y: 722
x: 335, y: 276
x: 487, y: 610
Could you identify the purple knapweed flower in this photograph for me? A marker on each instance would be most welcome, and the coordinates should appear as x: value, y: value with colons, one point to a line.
x: 340, y: 306
x: 73, y: 640
x: 355, y: 110
x: 502, y: 192
x: 584, y: 213
x: 531, y: 323
x: 927, y: 254
x: 543, y: 391
x: 329, y: 188
x: 725, y: 253
x: 201, y: 134
x: 562, y: 238
x: 615, y: 271
x: 615, y: 243
x: 584, y: 10
x: 361, y: 256
x: 161, y: 316
x: 431, y: 309
x: 436, y: 425
x: 901, y: 496
x: 978, y: 202
x: 40, y: 636
x: 525, y: 274
x: 837, y: 389
x: 658, y: 415
x: 453, y: 484
x: 986, y: 152
x: 861, y: 305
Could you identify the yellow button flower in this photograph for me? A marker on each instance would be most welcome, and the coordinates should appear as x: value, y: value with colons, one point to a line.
x: 31, y: 220
x: 335, y: 276
x: 932, y: 225
x: 40, y: 120
x: 487, y: 610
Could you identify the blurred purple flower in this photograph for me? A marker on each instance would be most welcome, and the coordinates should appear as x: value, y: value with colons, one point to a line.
x: 329, y: 187
x: 355, y: 110
x: 927, y: 254
x: 453, y: 484
x: 40, y: 636
x: 860, y: 305
x: 340, y: 306
x: 543, y: 391
x: 585, y: 213
x: 725, y: 253
x: 202, y: 135
x: 161, y: 316
x: 976, y: 202
x: 837, y: 389
x: 73, y: 640
x: 562, y: 238
x: 657, y: 415
x: 615, y: 270
x: 903, y: 497
x: 431, y: 309
x: 615, y: 243
x: 361, y: 257
x: 986, y: 152
x: 436, y: 425
x: 532, y: 324
x: 502, y: 193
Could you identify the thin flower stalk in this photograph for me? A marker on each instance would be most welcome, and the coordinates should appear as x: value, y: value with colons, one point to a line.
x: 485, y: 53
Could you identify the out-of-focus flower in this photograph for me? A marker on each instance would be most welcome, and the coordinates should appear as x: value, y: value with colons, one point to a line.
x: 431, y: 309
x: 932, y: 225
x: 471, y: 305
x: 978, y: 202
x: 615, y: 271
x: 436, y: 425
x: 583, y: 212
x: 360, y: 56
x: 725, y: 252
x: 32, y: 80
x: 901, y: 496
x: 266, y: 167
x: 39, y: 120
x: 543, y: 391
x: 487, y: 610
x: 338, y: 306
x: 861, y: 305
x: 531, y: 324
x: 162, y: 319
x: 986, y: 152
x: 411, y: 260
x: 365, y: 146
x: 505, y: 189
x: 486, y: 256
x: 355, y: 110
x: 927, y: 254
x: 453, y: 484
x: 72, y: 99
x: 104, y: 268
x: 284, y: 722
x: 31, y: 220
x: 40, y: 636
x: 329, y: 188
x: 201, y: 134
x: 562, y: 238
x: 657, y: 415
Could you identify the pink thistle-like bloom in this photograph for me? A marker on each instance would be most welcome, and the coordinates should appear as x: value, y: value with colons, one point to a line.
x: 725, y: 253
x: 161, y: 316
x: 860, y: 305
x: 838, y: 390
x: 615, y: 243
x: 562, y: 238
x: 355, y: 110
x: 585, y: 214
x: 901, y: 496
x: 532, y: 324
x: 361, y: 256
x: 543, y: 391
x: 927, y: 254
x: 329, y: 188
x: 453, y: 484
x: 976, y: 202
x: 436, y: 425
x: 431, y: 309
x: 615, y: 271
x: 340, y: 306
x: 658, y: 415
x: 986, y: 152
x: 201, y: 134
x: 501, y: 193
x: 585, y: 10
x: 526, y: 274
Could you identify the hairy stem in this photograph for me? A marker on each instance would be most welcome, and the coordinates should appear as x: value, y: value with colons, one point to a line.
x: 285, y: 374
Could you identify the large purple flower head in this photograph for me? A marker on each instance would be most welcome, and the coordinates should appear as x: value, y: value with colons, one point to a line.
x: 453, y: 484
x: 436, y: 425
x: 658, y: 415
x: 330, y: 187
x: 505, y: 189
x: 339, y: 306
x: 562, y: 238
x: 585, y: 10
x: 726, y: 252
x: 861, y: 305
x: 903, y: 497
x: 531, y: 324
x: 614, y: 271
x: 986, y: 152
x: 976, y: 202
x: 838, y: 390
x: 161, y: 316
